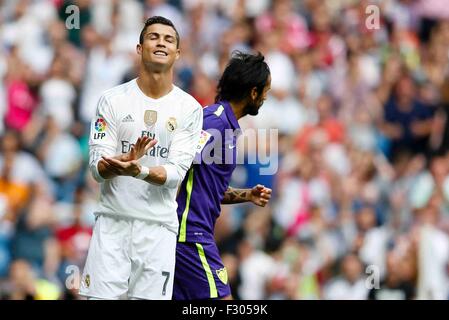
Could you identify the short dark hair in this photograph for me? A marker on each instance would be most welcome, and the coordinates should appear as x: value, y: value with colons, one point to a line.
x: 243, y: 72
x: 158, y: 20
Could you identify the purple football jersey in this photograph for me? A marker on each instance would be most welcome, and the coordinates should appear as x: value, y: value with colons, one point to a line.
x: 207, y: 180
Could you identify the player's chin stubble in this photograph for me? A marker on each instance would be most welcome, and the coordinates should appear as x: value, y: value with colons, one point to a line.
x: 252, y: 108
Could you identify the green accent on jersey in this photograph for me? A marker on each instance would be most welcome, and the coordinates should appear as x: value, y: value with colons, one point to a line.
x: 183, y: 228
x: 219, y: 111
x: 210, y: 276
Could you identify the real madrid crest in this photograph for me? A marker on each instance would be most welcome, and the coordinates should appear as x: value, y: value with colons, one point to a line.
x: 171, y: 124
x: 150, y: 117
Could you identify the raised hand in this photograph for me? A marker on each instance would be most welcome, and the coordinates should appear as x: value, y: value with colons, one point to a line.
x: 139, y: 149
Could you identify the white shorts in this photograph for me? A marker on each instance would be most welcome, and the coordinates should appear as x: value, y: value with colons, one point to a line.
x: 129, y: 257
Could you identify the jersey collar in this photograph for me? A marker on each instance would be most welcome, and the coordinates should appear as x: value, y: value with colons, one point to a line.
x: 230, y: 114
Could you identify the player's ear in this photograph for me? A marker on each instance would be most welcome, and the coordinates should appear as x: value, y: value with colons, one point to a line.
x: 178, y: 53
x: 139, y: 49
x: 254, y: 93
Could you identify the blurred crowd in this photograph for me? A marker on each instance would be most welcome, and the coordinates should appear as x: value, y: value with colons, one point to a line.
x: 361, y: 196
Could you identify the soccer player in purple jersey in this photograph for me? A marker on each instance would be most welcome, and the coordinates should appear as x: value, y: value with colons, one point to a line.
x: 199, y: 271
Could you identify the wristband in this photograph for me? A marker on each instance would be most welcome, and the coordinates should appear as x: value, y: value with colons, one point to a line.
x: 144, y: 172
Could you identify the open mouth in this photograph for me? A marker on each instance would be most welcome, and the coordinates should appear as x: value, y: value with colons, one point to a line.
x: 160, y: 53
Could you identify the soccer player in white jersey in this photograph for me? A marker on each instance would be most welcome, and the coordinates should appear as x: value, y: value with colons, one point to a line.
x: 142, y: 142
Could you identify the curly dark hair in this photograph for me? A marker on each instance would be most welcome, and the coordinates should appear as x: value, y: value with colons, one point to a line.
x: 243, y: 72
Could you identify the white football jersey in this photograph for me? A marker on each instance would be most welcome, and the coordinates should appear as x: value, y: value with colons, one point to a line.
x: 124, y: 113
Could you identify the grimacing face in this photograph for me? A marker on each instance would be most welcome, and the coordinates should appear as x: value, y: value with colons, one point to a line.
x: 159, y: 48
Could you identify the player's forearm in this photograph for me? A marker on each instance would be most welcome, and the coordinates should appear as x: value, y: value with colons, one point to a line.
x: 105, y: 171
x: 233, y: 196
x: 157, y: 175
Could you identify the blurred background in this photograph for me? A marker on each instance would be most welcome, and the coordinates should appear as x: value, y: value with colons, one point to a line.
x: 361, y: 196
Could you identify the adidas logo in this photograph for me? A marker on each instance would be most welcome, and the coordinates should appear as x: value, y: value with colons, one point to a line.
x: 128, y: 118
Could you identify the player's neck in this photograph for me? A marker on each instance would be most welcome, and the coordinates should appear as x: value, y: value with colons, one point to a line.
x: 237, y: 108
x: 155, y: 85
